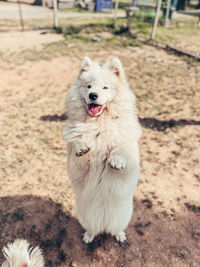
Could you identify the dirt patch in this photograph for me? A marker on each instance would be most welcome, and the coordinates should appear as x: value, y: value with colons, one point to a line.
x: 18, y: 41
x: 37, y: 201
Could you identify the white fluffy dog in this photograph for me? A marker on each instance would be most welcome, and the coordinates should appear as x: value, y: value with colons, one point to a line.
x: 102, y: 133
x: 19, y: 254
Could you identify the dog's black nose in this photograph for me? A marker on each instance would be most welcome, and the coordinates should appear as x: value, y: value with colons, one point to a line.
x: 93, y: 96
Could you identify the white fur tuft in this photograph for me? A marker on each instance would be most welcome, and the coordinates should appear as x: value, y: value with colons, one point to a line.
x: 19, y: 254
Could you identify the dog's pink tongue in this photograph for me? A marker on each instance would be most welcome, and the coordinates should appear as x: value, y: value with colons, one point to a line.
x: 93, y: 110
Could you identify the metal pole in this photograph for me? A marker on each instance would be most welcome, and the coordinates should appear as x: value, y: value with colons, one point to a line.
x: 55, y: 14
x: 167, y: 13
x: 20, y: 15
x: 155, y: 24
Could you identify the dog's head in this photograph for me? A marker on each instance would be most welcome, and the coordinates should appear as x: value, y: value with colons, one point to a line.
x: 98, y: 86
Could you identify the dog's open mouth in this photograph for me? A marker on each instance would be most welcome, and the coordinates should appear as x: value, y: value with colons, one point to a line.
x: 94, y: 109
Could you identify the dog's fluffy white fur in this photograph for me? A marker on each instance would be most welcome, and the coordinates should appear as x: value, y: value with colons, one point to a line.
x: 20, y: 254
x: 102, y: 133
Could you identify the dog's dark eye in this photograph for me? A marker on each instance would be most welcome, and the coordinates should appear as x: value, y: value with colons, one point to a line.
x: 105, y: 87
x: 89, y: 86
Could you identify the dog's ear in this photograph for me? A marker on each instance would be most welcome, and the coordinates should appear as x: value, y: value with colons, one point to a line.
x: 86, y: 64
x: 116, y: 67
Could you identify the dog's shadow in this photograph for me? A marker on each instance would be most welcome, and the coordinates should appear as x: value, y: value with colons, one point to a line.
x: 149, y: 123
x: 43, y: 223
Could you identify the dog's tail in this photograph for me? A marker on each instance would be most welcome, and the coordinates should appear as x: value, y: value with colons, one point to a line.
x: 20, y: 254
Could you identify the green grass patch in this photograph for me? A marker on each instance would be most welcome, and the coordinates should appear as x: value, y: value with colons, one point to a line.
x: 177, y: 33
x: 90, y: 27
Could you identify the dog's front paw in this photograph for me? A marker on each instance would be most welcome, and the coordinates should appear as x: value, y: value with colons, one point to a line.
x: 81, y: 148
x: 117, y: 162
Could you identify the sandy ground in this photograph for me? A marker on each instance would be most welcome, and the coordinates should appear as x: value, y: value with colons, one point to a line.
x: 19, y: 41
x: 36, y: 198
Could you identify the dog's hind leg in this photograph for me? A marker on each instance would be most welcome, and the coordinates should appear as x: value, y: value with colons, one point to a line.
x: 121, y: 236
x: 87, y: 238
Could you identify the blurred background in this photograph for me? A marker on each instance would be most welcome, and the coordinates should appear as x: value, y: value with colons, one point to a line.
x: 41, y: 47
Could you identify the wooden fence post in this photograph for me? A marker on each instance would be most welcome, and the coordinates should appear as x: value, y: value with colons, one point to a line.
x: 155, y: 24
x: 167, y: 13
x: 116, y: 8
x: 55, y: 14
x: 20, y: 15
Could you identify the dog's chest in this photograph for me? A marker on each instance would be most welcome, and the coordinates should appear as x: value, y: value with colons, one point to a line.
x: 105, y: 137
